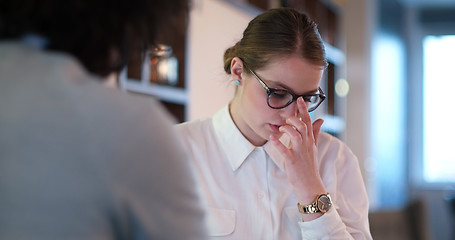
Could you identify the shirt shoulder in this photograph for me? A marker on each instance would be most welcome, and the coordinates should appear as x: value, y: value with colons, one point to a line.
x: 331, y: 148
x: 328, y: 139
x: 196, y: 130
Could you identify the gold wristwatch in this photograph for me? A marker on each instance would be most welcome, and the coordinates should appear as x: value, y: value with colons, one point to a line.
x: 322, y: 204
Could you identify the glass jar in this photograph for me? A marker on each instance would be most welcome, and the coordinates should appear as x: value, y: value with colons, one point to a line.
x: 163, y: 65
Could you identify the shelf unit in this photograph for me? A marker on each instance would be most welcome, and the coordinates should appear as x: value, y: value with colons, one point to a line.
x: 135, y: 77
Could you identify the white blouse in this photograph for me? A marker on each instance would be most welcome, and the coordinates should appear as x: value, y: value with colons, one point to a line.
x: 248, y: 195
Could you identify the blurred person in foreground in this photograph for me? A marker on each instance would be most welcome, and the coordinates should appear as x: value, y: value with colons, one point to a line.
x: 75, y: 156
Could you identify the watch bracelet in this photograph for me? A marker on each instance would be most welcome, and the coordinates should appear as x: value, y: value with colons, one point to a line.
x: 311, y: 208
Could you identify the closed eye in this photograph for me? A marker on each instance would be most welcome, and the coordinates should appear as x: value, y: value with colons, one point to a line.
x: 279, y: 93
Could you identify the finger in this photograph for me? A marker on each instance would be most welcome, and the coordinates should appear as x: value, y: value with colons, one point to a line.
x: 304, y: 114
x: 298, y: 124
x: 280, y: 146
x: 294, y: 134
x: 317, y: 128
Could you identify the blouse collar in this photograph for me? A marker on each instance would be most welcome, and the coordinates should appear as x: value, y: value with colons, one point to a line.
x: 236, y: 147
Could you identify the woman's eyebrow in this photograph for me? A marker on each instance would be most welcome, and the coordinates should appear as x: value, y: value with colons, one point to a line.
x: 287, y: 88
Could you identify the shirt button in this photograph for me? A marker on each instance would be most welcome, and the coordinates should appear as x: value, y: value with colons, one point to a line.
x: 260, y: 195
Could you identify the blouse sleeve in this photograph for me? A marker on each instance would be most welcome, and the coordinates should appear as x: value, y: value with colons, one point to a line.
x: 340, y: 172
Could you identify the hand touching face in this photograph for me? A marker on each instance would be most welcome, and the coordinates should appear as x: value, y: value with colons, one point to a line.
x: 302, y: 166
x: 249, y: 108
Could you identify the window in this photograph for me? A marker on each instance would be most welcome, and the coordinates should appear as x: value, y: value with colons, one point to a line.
x: 438, y: 109
x: 388, y: 129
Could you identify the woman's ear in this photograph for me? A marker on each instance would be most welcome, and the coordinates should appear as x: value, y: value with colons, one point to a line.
x: 237, y: 69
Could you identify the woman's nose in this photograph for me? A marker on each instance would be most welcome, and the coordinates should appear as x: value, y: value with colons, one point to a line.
x: 289, y: 111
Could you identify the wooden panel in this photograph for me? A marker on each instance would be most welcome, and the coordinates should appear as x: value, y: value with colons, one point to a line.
x: 332, y: 21
x: 134, y: 65
x: 331, y: 89
x: 176, y: 110
x: 262, y: 4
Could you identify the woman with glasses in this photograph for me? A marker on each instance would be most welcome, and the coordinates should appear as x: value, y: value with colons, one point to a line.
x: 267, y: 172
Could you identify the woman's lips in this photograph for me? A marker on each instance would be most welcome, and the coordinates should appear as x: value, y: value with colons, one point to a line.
x: 275, y: 128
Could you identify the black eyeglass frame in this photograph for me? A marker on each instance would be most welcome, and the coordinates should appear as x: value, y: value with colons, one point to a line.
x: 270, y: 91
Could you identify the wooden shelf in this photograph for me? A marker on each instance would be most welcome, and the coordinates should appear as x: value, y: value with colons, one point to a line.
x: 162, y: 92
x: 174, y: 99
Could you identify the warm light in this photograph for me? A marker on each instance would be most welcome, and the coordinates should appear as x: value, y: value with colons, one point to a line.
x: 163, y: 65
x: 342, y: 87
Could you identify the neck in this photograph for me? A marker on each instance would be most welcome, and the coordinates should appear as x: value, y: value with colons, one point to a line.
x: 242, y: 125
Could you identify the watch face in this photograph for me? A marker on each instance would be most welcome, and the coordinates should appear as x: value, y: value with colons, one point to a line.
x: 324, y: 203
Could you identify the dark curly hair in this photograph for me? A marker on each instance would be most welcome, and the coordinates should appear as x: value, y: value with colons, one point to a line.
x: 99, y: 33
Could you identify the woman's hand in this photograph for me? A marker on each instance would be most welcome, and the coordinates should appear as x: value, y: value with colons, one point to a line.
x: 301, y: 161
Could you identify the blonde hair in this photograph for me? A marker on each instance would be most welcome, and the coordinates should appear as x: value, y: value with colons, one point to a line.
x: 277, y: 32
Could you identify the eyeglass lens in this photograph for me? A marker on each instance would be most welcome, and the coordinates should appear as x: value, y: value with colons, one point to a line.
x: 281, y: 99
x: 277, y: 98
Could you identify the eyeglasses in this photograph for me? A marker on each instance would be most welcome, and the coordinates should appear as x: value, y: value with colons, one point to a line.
x: 281, y: 98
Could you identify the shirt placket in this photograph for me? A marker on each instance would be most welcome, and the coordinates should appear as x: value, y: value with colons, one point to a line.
x: 264, y: 214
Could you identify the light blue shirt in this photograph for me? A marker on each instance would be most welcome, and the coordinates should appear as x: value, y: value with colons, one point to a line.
x: 82, y: 161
